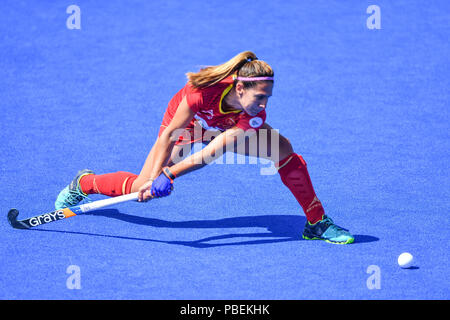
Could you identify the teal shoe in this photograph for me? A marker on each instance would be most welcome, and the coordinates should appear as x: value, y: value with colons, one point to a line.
x: 326, y: 230
x: 71, y: 195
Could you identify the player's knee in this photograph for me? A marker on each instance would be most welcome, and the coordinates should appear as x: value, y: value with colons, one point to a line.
x: 139, y: 182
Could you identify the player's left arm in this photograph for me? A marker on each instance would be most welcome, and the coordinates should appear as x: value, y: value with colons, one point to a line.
x: 215, y: 149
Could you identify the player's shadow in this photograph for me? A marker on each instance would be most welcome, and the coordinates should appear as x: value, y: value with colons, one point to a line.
x: 281, y: 228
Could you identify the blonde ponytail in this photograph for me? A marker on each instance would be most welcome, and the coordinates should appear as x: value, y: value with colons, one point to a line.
x: 211, y: 75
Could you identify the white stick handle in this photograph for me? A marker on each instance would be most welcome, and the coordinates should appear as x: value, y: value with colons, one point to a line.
x: 107, y: 202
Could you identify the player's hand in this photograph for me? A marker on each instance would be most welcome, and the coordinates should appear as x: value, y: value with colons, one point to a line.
x: 162, y: 186
x: 144, y: 193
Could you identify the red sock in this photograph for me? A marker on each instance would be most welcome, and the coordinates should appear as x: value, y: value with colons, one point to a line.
x: 110, y: 184
x: 295, y: 176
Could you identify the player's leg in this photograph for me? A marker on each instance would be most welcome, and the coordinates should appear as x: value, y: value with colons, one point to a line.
x: 110, y: 184
x: 269, y: 144
x: 292, y: 168
x: 121, y: 182
x: 87, y: 182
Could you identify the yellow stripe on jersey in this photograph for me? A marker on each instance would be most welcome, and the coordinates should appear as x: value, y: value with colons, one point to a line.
x: 224, y: 93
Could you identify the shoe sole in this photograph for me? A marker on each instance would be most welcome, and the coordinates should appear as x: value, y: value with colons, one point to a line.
x: 351, y: 240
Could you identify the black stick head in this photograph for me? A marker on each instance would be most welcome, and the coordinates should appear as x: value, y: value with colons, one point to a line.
x: 12, y: 219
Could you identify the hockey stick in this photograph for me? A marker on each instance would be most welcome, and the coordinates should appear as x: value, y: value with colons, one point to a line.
x: 65, y: 213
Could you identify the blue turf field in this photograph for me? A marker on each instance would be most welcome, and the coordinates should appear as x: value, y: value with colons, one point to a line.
x: 367, y: 109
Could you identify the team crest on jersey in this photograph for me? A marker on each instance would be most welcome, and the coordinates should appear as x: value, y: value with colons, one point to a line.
x: 255, y: 122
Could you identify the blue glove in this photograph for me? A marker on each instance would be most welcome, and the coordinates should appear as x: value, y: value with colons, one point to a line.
x: 162, y: 186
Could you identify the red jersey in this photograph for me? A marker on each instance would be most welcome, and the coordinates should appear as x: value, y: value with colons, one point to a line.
x: 207, y: 103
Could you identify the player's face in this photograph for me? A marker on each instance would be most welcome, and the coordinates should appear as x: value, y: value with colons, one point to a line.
x: 254, y: 100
